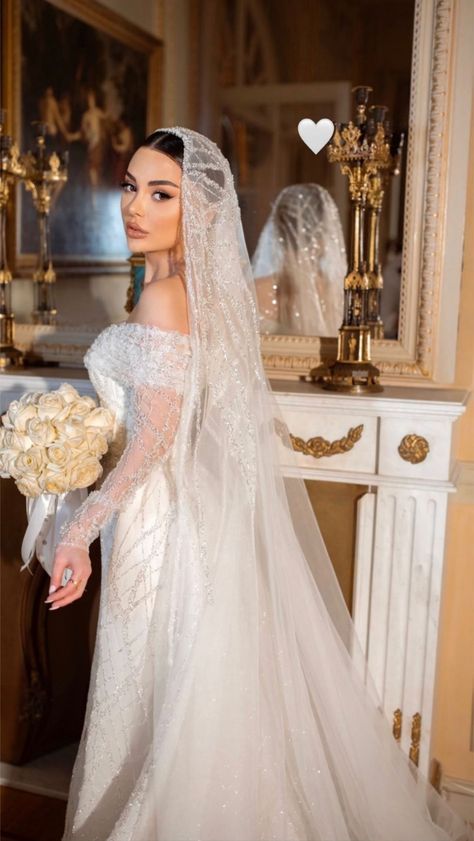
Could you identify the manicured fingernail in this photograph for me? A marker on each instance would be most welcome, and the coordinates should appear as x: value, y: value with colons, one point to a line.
x: 52, y: 588
x: 47, y: 601
x: 54, y: 606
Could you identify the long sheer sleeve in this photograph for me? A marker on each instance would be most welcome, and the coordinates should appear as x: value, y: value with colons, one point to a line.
x: 156, y: 364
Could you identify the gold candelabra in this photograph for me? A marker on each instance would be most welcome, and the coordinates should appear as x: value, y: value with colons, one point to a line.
x: 11, y: 169
x: 367, y: 153
x: 46, y: 173
x: 43, y: 173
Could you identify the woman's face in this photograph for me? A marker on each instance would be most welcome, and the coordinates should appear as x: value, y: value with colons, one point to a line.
x: 150, y: 204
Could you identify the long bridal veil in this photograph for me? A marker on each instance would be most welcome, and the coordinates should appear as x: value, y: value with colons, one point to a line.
x: 266, y: 723
x: 301, y: 250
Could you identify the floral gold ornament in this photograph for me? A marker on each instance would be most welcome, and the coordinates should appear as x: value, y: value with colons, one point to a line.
x: 367, y: 152
x: 397, y: 724
x: 319, y: 447
x: 415, y: 738
x: 413, y: 448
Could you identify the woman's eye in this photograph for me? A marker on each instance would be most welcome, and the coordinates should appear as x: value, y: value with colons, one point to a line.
x: 161, y: 195
x: 125, y: 184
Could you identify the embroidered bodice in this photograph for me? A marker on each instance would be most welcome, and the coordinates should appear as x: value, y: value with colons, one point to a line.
x: 139, y: 373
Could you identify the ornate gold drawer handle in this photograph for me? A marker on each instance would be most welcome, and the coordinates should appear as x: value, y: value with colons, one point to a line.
x: 319, y: 447
x: 415, y: 732
x: 413, y: 448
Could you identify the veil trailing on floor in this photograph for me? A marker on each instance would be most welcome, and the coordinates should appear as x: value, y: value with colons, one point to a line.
x: 301, y: 247
x: 266, y: 723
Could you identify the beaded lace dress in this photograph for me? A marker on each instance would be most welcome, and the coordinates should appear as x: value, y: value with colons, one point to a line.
x: 229, y: 698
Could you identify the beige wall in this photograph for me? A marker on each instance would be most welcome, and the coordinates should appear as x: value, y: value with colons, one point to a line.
x: 453, y: 723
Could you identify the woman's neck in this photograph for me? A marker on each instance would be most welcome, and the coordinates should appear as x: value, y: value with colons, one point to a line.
x: 160, y: 266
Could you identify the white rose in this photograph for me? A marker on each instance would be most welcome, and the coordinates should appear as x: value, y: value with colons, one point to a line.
x: 49, y: 405
x: 85, y: 472
x: 71, y: 431
x: 11, y: 440
x: 10, y: 414
x: 100, y: 419
x: 18, y: 414
x: 68, y: 393
x: 76, y: 409
x: 7, y: 463
x: 28, y: 486
x: 31, y: 398
x: 96, y: 442
x: 54, y: 479
x: 81, y: 408
x: 63, y: 414
x: 60, y: 454
x: 41, y: 432
x: 11, y: 444
x: 30, y: 462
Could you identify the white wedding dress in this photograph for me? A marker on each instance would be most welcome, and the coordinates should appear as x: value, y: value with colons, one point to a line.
x: 114, y: 752
x: 228, y: 699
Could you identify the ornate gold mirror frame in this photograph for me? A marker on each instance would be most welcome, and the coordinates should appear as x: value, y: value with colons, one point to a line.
x: 437, y: 153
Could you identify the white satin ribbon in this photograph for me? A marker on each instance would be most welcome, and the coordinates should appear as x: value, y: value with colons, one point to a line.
x: 46, y: 514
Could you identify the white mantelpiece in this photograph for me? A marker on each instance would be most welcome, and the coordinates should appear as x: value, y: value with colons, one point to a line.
x: 401, y: 520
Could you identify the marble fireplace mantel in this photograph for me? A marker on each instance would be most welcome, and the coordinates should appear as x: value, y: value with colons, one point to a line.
x: 400, y: 532
x: 399, y: 445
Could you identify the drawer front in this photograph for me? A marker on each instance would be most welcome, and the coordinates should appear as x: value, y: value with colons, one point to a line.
x: 321, y: 441
x: 418, y: 449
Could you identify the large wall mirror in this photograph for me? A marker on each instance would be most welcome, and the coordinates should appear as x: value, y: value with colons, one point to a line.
x: 266, y: 64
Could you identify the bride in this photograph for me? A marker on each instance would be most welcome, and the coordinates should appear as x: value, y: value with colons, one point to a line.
x: 300, y: 263
x: 229, y: 697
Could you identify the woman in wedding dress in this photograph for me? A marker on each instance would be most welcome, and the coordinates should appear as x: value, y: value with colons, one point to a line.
x: 300, y: 263
x: 229, y: 698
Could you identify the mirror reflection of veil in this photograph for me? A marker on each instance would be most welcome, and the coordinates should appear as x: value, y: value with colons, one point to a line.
x: 300, y: 263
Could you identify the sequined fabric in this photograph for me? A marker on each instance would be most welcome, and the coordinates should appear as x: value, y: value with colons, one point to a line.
x: 299, y: 264
x: 149, y: 364
x: 139, y: 373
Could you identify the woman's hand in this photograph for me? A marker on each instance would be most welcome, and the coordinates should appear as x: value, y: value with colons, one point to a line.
x: 76, y: 559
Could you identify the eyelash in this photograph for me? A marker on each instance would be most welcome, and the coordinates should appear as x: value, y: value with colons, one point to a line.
x: 124, y: 184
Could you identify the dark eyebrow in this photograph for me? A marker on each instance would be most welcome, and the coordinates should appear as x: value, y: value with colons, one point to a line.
x: 153, y: 183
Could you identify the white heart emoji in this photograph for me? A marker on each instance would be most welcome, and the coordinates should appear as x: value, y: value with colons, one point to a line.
x: 316, y: 135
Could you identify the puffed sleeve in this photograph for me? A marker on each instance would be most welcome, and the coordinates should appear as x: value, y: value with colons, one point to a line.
x: 151, y: 364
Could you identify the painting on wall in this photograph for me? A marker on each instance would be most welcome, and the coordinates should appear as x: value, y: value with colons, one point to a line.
x: 94, y: 80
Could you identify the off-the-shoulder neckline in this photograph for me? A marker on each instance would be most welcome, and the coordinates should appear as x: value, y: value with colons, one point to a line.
x: 151, y: 327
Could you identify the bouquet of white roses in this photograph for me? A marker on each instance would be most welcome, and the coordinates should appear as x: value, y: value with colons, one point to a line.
x: 51, y: 445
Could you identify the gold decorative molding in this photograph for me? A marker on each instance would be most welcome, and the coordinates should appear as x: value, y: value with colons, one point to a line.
x: 413, y: 448
x: 436, y: 774
x: 319, y: 447
x: 397, y: 724
x: 415, y: 738
x: 411, y: 356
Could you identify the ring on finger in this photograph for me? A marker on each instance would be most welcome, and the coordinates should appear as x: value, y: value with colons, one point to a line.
x: 76, y: 583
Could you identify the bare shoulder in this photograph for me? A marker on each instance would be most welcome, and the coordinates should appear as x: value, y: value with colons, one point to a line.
x: 163, y: 303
